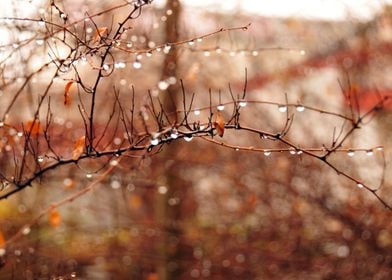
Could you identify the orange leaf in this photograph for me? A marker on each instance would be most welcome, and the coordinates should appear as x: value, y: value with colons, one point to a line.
x: 78, y: 148
x: 2, y: 239
x: 99, y: 33
x: 54, y: 218
x: 67, y: 99
x: 34, y: 127
x: 135, y: 201
x: 219, y: 124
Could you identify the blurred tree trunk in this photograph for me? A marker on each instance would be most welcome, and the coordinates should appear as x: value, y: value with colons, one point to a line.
x: 168, y: 207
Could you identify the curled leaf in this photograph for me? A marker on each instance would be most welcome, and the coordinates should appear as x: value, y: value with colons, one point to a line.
x: 219, y: 124
x: 78, y: 148
x: 54, y: 218
x: 99, y: 33
x: 67, y: 99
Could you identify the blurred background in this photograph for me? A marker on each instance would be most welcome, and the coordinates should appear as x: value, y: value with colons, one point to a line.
x: 198, y: 210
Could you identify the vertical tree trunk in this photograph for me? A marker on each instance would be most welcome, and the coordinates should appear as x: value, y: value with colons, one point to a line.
x: 169, y: 215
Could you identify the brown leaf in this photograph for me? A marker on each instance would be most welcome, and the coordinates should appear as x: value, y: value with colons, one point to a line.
x: 99, y: 33
x: 34, y: 127
x: 2, y: 239
x: 78, y: 148
x: 219, y: 124
x: 54, y: 218
x: 67, y: 99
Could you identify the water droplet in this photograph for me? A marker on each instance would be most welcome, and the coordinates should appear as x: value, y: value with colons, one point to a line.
x: 350, y: 153
x: 63, y: 16
x: 73, y: 274
x: 232, y: 53
x: 267, y: 153
x: 300, y: 108
x: 114, y: 162
x: 218, y: 50
x: 115, y: 184
x: 137, y: 65
x: 196, y: 112
x: 40, y: 159
x: 154, y: 141
x: 2, y: 252
x: 282, y: 108
x: 1, y: 124
x: 380, y: 148
x: 167, y: 49
x: 41, y: 23
x: 300, y: 152
x: 148, y: 54
x: 207, y: 53
x: 255, y: 53
x: 188, y: 138
x: 174, y: 134
x: 169, y: 12
x: 172, y: 80
x: 302, y: 52
x: 292, y: 151
x: 163, y: 18
x: 369, y: 153
x: 89, y: 175
x: 199, y: 40
x: 117, y: 141
x: 26, y: 230
x: 39, y: 42
x: 220, y: 107
x: 162, y: 189
x: 242, y: 103
x: 359, y: 185
x: 191, y: 43
x: 163, y: 85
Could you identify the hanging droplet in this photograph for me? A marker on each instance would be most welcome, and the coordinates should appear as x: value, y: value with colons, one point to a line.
x: 41, y: 23
x: 232, y: 53
x: 188, y: 138
x: 300, y: 108
x: 136, y: 64
x: 267, y: 153
x: 242, y: 103
x: 1, y: 124
x: 380, y: 148
x: 196, y: 112
x: 39, y: 42
x: 207, y: 53
x: 359, y: 185
x: 114, y: 162
x: 218, y: 50
x: 20, y: 134
x: 167, y: 49
x: 350, y: 153
x: 292, y: 151
x: 191, y: 43
x: 162, y: 189
x: 199, y: 40
x: 89, y: 175
x: 63, y: 16
x: 105, y: 67
x: 148, y: 54
x: 174, y: 134
x: 163, y: 85
x: 369, y: 153
x: 255, y: 53
x: 26, y: 230
x: 282, y: 108
x: 220, y: 107
x: 300, y: 152
x: 40, y: 159
x: 154, y: 141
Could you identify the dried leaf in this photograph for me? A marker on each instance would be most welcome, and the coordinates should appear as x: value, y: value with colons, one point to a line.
x: 135, y: 201
x: 99, y: 33
x: 78, y: 148
x: 2, y: 239
x: 67, y: 99
x: 54, y: 218
x: 34, y: 127
x: 219, y: 124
